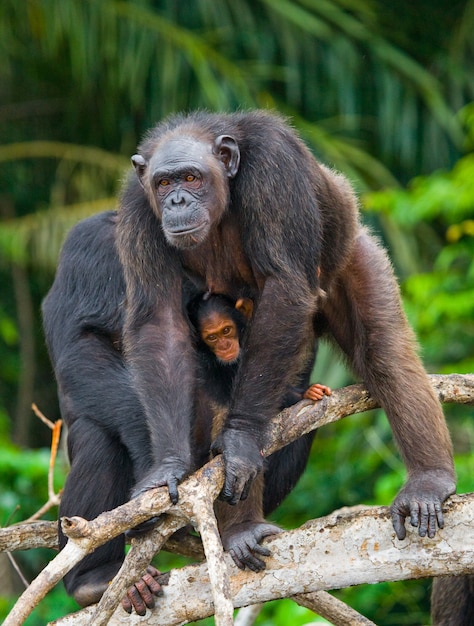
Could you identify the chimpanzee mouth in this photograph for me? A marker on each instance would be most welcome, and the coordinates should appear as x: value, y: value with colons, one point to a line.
x: 187, y: 237
x: 228, y: 358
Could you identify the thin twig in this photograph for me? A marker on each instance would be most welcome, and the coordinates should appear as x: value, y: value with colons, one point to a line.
x: 42, y: 416
x: 53, y: 498
x: 247, y: 615
x: 17, y: 569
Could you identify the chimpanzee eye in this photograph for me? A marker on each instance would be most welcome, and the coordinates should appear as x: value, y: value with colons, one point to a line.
x: 190, y: 178
x: 226, y: 330
x: 164, y: 182
x: 211, y: 338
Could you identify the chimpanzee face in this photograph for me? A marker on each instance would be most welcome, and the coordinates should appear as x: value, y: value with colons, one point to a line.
x: 186, y: 179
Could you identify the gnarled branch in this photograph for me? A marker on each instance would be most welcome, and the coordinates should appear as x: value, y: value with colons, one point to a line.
x: 287, y: 426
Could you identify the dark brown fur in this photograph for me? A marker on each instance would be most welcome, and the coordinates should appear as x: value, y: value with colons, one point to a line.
x: 452, y: 601
x: 236, y: 204
x: 256, y: 249
x: 252, y: 247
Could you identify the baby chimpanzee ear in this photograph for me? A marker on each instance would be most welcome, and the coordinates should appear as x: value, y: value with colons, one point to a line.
x: 245, y: 306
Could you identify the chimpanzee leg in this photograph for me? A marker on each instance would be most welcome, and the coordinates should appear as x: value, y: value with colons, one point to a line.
x: 94, y: 385
x: 100, y: 479
x: 283, y: 469
x: 365, y: 315
x: 452, y: 601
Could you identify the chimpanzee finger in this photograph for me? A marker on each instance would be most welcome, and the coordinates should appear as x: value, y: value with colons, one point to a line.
x: 136, y: 601
x: 173, y: 490
x: 245, y: 492
x: 398, y: 523
x: 227, y: 492
x: 424, y: 519
x: 414, y: 513
x: 431, y: 520
x: 145, y: 592
x: 235, y: 554
x: 151, y: 569
x: 439, y: 514
x: 126, y: 604
x: 141, y: 529
x: 253, y: 562
x: 310, y: 394
x: 261, y: 550
x: 244, y: 558
x: 153, y: 585
x: 232, y: 488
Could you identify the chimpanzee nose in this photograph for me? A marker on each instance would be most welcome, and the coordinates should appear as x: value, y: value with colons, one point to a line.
x: 178, y: 199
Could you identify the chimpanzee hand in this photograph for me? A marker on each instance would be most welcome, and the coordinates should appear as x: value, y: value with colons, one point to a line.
x: 142, y: 594
x: 242, y: 541
x: 243, y: 460
x: 169, y: 473
x: 421, y: 498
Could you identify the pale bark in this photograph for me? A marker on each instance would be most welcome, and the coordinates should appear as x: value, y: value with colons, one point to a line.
x: 351, y: 546
x: 341, y: 550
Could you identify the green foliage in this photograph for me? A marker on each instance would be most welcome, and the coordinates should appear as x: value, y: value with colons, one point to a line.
x: 23, y: 482
x: 9, y: 361
x: 382, y: 91
x: 8, y: 329
x: 23, y: 490
x: 439, y: 298
x: 326, y: 64
x: 391, y: 603
x: 446, y: 196
x: 56, y: 604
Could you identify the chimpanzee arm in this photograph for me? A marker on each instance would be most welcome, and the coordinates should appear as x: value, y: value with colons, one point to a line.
x: 274, y: 351
x: 365, y: 315
x: 162, y: 362
x: 157, y: 343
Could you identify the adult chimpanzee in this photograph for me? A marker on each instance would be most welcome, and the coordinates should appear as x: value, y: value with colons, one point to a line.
x: 236, y: 204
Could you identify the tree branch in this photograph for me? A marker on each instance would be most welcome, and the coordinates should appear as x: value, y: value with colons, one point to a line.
x: 351, y: 546
x: 204, y: 486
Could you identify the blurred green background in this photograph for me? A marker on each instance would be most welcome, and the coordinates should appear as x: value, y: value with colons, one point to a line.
x: 380, y: 90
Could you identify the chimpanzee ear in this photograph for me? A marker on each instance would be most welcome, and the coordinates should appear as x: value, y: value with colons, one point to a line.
x: 245, y: 306
x: 139, y: 164
x: 227, y: 150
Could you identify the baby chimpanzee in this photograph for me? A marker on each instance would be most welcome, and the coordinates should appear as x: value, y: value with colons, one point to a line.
x: 221, y: 323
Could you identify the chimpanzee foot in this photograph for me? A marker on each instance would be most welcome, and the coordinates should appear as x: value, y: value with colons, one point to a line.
x: 89, y: 586
x: 139, y: 597
x: 89, y: 593
x: 242, y: 541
